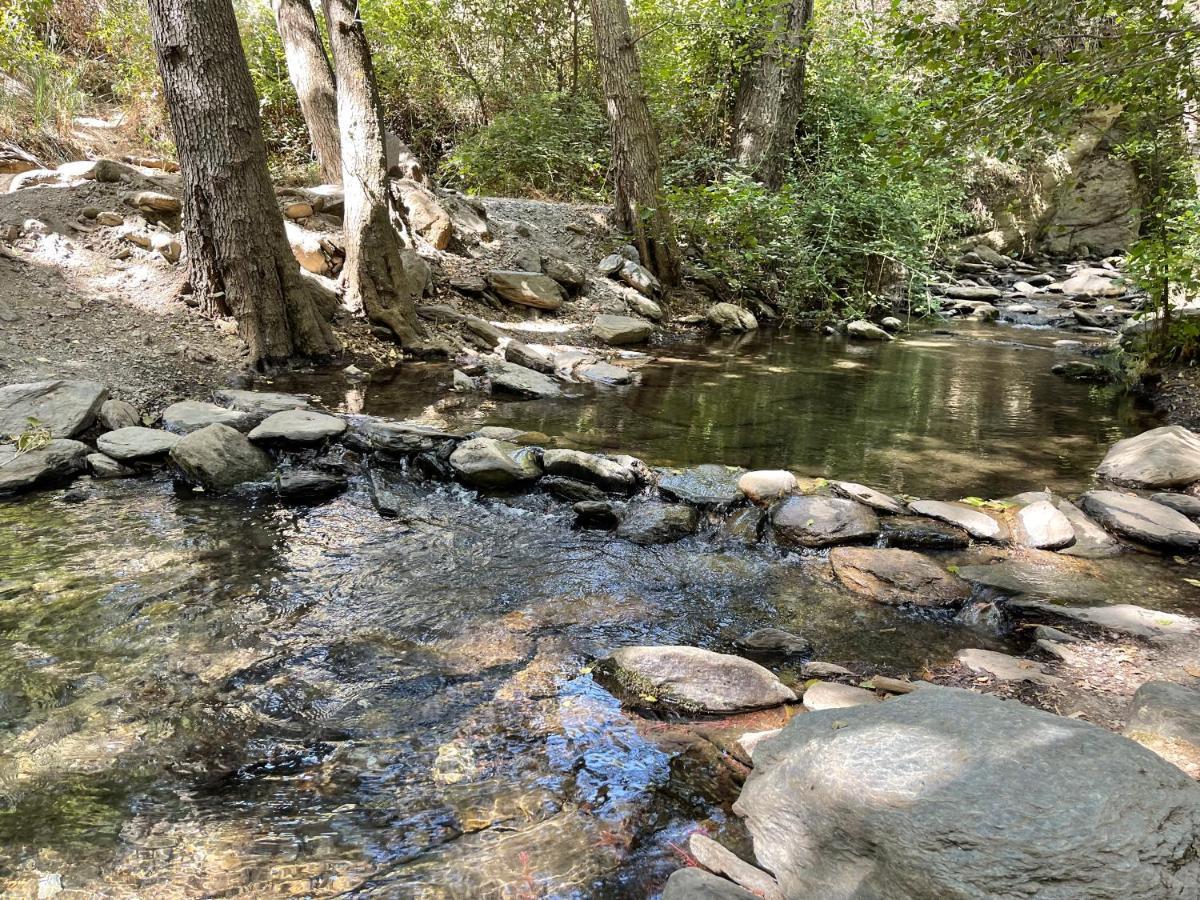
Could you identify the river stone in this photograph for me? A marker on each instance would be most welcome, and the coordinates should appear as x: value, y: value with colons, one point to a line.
x: 403, y: 438
x: 947, y: 793
x: 921, y: 533
x: 696, y: 680
x: 1125, y: 618
x: 59, y: 460
x: 774, y: 642
x: 730, y: 318
x: 190, y: 415
x: 862, y: 330
x: 571, y: 489
x: 116, y: 414
x: 1041, y: 526
x: 897, y: 576
x: 527, y: 289
x: 974, y: 522
x: 64, y: 407
x: 599, y: 514
x: 692, y: 883
x: 524, y: 355
x: 657, y: 523
x: 1091, y: 541
x: 831, y: 695
x: 309, y: 487
x: 135, y: 442
x: 606, y: 474
x: 1142, y: 520
x: 744, y: 526
x: 619, y: 330
x: 565, y: 272
x: 767, y: 485
x: 605, y: 373
x: 218, y: 458
x: 1093, y: 283
x: 298, y: 426
x: 1185, y: 504
x: 1164, y: 457
x: 644, y: 306
x: 706, y: 485
x: 1082, y: 370
x: 260, y: 404
x: 971, y: 292
x: 721, y: 861
x: 487, y: 463
x: 877, y: 500
x: 509, y: 378
x: 1165, y: 718
x: 102, y: 466
x: 891, y: 324
x: 823, y: 521
x: 611, y: 264
x: 639, y: 278
x: 1004, y: 667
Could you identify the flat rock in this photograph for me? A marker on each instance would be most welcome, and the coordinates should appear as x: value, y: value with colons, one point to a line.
x: 116, y: 414
x: 1142, y: 520
x: 135, y: 442
x: 823, y: 521
x: 921, y: 533
x: 867, y: 496
x: 191, y: 415
x: 606, y: 474
x: 523, y: 355
x: 706, y: 485
x: 1004, y: 667
x: 974, y: 522
x: 218, y: 458
x: 694, y: 680
x: 260, y: 403
x: 618, y: 330
x: 1094, y: 283
x: 298, y: 426
x: 971, y: 292
x: 605, y: 373
x: 571, y: 489
x: 1161, y: 458
x: 721, y: 861
x: 831, y: 695
x: 696, y: 884
x: 488, y: 463
x: 60, y: 460
x: 65, y: 408
x: 1165, y: 717
x: 773, y: 642
x: 1042, y: 526
x: 1125, y: 618
x: 518, y: 381
x: 657, y: 523
x: 947, y: 793
x: 531, y: 289
x: 1091, y: 541
x: 862, y: 330
x: 897, y: 576
x: 1185, y: 504
x: 404, y: 438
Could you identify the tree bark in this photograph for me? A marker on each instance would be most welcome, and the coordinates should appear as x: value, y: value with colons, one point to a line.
x: 238, y: 254
x: 374, y: 270
x: 770, y: 96
x: 637, y: 182
x: 312, y: 77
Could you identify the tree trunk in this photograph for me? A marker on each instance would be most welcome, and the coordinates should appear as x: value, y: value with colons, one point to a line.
x: 311, y: 75
x: 770, y: 96
x: 238, y: 255
x: 637, y: 181
x: 374, y: 268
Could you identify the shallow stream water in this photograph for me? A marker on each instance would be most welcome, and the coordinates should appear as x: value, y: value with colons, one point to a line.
x: 213, y: 696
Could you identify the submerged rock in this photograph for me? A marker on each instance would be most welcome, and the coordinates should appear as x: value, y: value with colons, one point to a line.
x: 693, y: 680
x: 1164, y: 457
x: 823, y: 521
x: 897, y: 576
x: 601, y: 514
x: 60, y: 460
x: 774, y: 642
x: 571, y: 489
x: 605, y: 373
x: 309, y: 487
x: 921, y: 533
x: 487, y: 463
x: 657, y: 523
x: 1082, y: 370
x: 64, y: 408
x: 946, y: 793
x: 706, y: 485
x: 218, y: 458
x: 1142, y: 520
x: 975, y: 522
x: 136, y: 443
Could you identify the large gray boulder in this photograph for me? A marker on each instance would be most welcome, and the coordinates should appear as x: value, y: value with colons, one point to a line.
x: 1161, y: 458
x: 65, y: 408
x: 974, y: 522
x: 862, y: 330
x: 116, y: 414
x: 607, y: 474
x: 897, y: 576
x: 730, y: 318
x: 488, y: 463
x: 946, y: 793
x: 136, y: 443
x: 1094, y: 283
x: 618, y: 330
x: 59, y: 460
x: 187, y: 416
x: 531, y: 289
x: 1142, y: 520
x: 518, y: 381
x: 657, y: 523
x: 823, y: 521
x: 298, y: 426
x: 692, y: 679
x: 218, y: 458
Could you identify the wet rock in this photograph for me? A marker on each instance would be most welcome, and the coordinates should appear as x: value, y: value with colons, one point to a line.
x: 862, y: 330
x: 745, y: 526
x: 1164, y: 457
x: 60, y: 460
x: 1041, y: 526
x: 1165, y: 718
x: 767, y: 485
x: 524, y: 355
x: 720, y: 861
x: 487, y: 463
x: 970, y: 292
x: 298, y: 426
x: 527, y: 289
x: 1142, y: 520
x: 696, y: 884
x: 65, y: 408
x: 136, y: 443
x: 1185, y: 504
x: 309, y: 487
x: 571, y: 489
x: 218, y: 458
x: 891, y: 324
x: 605, y: 373
x: 1022, y: 309
x: 831, y: 695
x: 1091, y: 541
x: 730, y: 318
x: 1003, y: 667
x: 823, y: 521
x: 101, y: 466
x: 509, y: 378
x: 921, y: 533
x: 462, y: 383
x: 1082, y: 370
x: 774, y: 642
x: 692, y: 679
x: 600, y: 514
x: 706, y: 485
x: 1094, y: 283
x: 403, y: 438
x: 897, y: 576
x: 260, y: 404
x: 639, y: 278
x: 877, y: 500
x: 974, y: 522
x: 1125, y: 618
x: 946, y: 793
x: 191, y: 415
x: 116, y: 414
x: 619, y: 330
x: 657, y: 523
x: 606, y: 474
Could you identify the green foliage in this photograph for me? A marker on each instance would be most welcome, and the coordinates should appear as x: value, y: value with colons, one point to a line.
x: 39, y: 86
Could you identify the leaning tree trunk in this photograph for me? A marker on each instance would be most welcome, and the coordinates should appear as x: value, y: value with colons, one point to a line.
x: 238, y: 255
x: 770, y: 96
x: 374, y: 268
x: 311, y: 75
x: 637, y: 182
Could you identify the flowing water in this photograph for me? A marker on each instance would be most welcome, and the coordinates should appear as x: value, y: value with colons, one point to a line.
x: 222, y: 697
